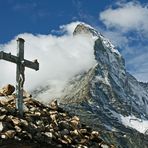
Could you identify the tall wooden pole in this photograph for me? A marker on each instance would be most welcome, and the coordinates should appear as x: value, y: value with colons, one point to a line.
x: 20, y: 75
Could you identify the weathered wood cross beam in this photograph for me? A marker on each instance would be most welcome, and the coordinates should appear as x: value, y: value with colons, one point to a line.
x: 20, y: 76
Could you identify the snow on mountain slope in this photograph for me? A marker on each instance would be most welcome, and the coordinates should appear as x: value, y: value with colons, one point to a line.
x: 138, y: 124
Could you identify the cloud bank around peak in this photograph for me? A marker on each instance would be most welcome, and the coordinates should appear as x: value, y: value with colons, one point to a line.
x: 60, y: 58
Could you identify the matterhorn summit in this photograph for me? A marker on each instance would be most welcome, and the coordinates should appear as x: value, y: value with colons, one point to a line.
x: 107, y: 97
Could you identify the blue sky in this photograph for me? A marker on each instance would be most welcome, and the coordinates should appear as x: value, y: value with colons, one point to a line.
x: 124, y: 22
x: 41, y: 16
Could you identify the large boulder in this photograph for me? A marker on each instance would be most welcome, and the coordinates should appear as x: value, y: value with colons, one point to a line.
x: 7, y: 90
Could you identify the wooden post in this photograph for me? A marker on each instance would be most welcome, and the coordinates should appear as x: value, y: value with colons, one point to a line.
x: 20, y: 75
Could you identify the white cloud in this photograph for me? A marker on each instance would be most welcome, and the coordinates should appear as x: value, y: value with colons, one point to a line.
x: 60, y: 58
x: 127, y: 16
x: 68, y: 29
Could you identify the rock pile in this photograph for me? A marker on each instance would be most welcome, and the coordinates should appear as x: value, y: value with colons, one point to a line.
x: 45, y: 125
x: 7, y: 90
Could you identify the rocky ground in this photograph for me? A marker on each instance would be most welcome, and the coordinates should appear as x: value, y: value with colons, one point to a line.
x: 42, y: 125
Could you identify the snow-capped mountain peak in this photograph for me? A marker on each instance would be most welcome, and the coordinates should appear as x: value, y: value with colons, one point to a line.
x: 83, y: 28
x: 107, y: 96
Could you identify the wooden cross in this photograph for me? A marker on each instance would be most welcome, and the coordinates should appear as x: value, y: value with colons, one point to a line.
x: 20, y: 76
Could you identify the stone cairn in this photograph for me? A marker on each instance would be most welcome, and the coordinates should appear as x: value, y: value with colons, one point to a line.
x: 46, y: 125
